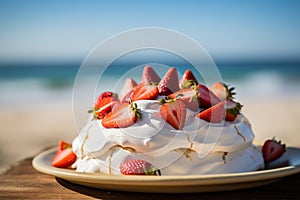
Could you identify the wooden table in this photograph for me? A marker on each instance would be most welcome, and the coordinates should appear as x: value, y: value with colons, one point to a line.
x: 23, y: 182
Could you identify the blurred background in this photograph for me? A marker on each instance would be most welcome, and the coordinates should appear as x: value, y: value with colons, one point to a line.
x: 255, y: 45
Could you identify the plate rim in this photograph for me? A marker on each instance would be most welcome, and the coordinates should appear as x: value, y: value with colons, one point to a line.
x: 170, y: 180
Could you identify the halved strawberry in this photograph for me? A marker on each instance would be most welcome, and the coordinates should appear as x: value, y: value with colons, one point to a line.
x: 123, y: 116
x: 63, y: 145
x: 214, y: 114
x: 144, y: 91
x: 149, y: 75
x: 272, y: 150
x: 104, y: 110
x: 129, y: 84
x: 103, y: 107
x: 189, y: 96
x: 138, y: 167
x: 64, y: 156
x: 169, y: 83
x: 223, y: 91
x: 104, y: 95
x: 174, y: 112
x: 188, y: 79
x: 205, y: 97
x: 64, y: 159
x: 233, y: 109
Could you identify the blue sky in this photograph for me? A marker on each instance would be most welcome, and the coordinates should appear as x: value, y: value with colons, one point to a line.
x: 229, y: 30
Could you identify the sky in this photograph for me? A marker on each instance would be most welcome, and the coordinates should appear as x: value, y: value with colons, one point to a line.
x: 35, y: 30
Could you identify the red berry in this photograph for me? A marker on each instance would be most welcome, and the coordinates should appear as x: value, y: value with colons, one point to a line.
x: 205, y: 97
x: 214, y: 114
x: 169, y: 83
x: 149, y: 75
x: 189, y: 96
x: 138, y: 167
x: 222, y: 91
x: 174, y: 112
x: 144, y: 91
x: 64, y: 156
x: 272, y: 150
x: 188, y: 79
x: 123, y: 116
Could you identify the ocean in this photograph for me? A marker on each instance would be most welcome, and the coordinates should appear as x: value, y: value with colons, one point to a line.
x: 23, y: 84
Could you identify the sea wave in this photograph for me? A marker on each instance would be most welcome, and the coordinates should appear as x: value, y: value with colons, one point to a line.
x: 262, y: 84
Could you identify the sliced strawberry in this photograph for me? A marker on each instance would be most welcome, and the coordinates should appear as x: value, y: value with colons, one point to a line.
x: 138, y: 167
x: 129, y: 84
x: 272, y: 150
x: 63, y: 145
x: 123, y: 116
x: 64, y: 158
x: 223, y: 91
x: 189, y: 96
x: 169, y: 83
x: 104, y: 110
x: 205, y: 97
x: 103, y: 107
x: 149, y: 75
x: 214, y: 114
x: 233, y: 109
x: 174, y: 112
x: 188, y: 79
x: 104, y: 95
x: 144, y: 91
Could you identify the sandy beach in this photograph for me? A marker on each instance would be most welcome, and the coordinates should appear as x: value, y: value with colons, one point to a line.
x: 27, y: 131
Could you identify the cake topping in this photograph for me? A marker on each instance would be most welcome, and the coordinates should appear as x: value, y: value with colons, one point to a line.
x: 145, y: 91
x: 169, y: 83
x: 223, y: 91
x: 126, y: 90
x: 174, y: 112
x: 225, y: 110
x: 205, y: 97
x: 104, y: 104
x: 188, y: 79
x: 123, y: 116
x: 149, y: 75
x: 189, y: 96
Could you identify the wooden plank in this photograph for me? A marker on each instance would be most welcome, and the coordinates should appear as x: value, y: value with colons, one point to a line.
x: 23, y: 182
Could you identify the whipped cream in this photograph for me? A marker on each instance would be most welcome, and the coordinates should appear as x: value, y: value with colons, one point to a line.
x: 199, y: 148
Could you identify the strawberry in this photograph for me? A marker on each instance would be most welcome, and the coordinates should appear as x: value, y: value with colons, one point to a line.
x: 144, y: 91
x: 123, y: 116
x: 174, y: 112
x: 189, y: 96
x: 187, y: 80
x: 102, y: 96
x: 103, y: 107
x: 205, y: 97
x: 64, y: 156
x: 169, y: 83
x: 63, y: 145
x: 214, y: 114
x: 272, y: 150
x: 149, y: 75
x: 232, y: 110
x: 228, y: 110
x: 126, y: 90
x: 138, y: 167
x: 223, y: 91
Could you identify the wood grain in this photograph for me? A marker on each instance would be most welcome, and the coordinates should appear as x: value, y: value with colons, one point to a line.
x: 23, y: 182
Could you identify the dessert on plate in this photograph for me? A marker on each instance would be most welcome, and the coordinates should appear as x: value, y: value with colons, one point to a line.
x: 166, y: 126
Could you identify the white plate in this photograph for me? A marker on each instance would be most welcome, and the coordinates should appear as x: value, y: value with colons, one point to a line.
x: 287, y: 165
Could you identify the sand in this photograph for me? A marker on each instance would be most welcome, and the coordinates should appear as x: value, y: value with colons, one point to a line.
x: 27, y: 131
